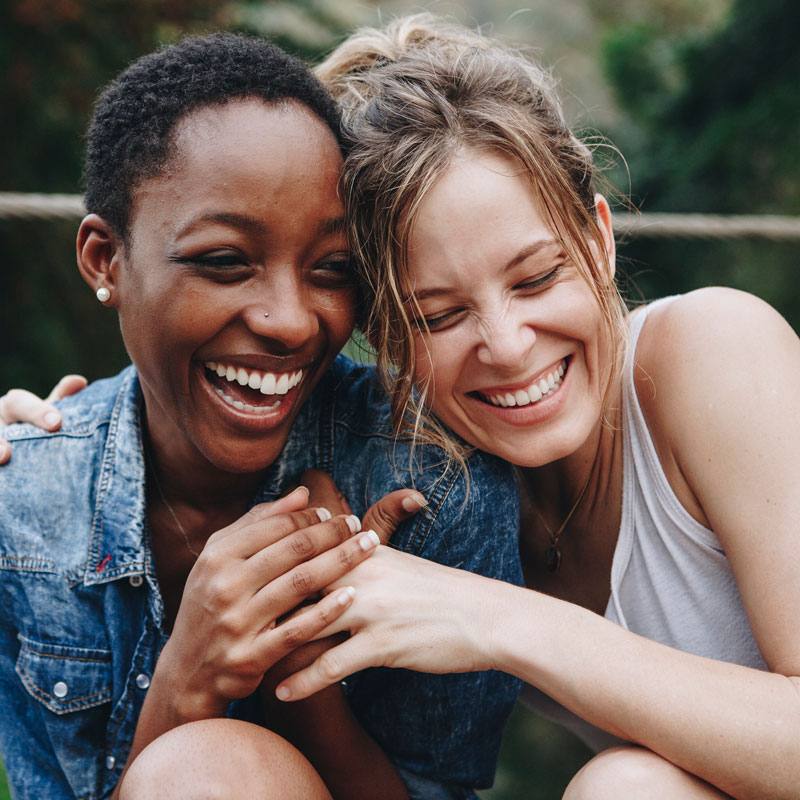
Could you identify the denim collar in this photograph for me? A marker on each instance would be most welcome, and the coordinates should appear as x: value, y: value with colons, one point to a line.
x: 119, y: 545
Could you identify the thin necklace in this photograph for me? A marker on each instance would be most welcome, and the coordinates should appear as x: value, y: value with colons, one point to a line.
x: 171, y: 510
x: 552, y: 556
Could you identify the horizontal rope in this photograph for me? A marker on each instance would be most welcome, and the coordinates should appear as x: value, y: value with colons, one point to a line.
x: 19, y: 205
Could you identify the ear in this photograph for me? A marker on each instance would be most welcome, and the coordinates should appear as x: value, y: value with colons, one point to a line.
x: 607, y: 229
x: 100, y: 253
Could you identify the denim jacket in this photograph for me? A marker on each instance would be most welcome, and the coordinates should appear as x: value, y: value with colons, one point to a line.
x: 81, y: 613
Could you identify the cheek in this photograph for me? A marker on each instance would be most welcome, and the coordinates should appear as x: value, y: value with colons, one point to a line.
x: 338, y: 311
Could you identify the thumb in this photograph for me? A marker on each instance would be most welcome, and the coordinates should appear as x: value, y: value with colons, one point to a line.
x: 384, y: 516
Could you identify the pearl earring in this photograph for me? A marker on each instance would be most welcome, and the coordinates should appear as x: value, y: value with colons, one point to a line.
x: 103, y: 295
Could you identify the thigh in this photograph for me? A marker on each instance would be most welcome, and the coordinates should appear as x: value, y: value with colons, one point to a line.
x: 218, y: 759
x: 638, y: 774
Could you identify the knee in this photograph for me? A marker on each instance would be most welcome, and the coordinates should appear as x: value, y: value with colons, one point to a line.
x: 221, y: 759
x: 621, y: 772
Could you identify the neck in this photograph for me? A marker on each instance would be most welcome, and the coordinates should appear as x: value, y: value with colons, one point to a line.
x: 555, y: 487
x: 186, y: 478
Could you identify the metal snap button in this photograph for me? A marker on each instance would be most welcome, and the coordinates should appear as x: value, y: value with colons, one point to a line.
x: 142, y: 680
x: 110, y: 761
x: 60, y: 689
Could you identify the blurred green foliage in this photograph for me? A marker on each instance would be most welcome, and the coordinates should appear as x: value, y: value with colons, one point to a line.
x: 709, y: 125
x: 706, y: 116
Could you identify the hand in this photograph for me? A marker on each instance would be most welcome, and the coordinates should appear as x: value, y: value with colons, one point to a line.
x: 383, y: 517
x: 410, y: 613
x: 19, y: 405
x: 248, y: 576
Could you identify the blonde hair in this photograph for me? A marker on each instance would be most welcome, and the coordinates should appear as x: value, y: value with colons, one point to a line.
x: 413, y: 95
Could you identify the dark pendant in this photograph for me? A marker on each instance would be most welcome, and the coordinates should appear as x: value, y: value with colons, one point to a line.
x: 552, y: 558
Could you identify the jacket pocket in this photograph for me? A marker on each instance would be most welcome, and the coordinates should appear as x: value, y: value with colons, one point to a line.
x: 64, y: 678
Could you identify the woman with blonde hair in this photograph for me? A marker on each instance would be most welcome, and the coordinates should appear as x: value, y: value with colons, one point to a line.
x: 657, y: 452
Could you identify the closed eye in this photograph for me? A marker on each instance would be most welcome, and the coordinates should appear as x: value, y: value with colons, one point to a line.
x: 439, y: 322
x: 220, y: 266
x: 541, y: 281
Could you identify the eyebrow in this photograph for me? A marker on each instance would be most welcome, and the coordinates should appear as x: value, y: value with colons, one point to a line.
x: 254, y: 225
x: 525, y: 253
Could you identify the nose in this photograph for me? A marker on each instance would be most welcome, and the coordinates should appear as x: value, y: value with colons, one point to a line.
x: 285, y: 314
x: 505, y: 340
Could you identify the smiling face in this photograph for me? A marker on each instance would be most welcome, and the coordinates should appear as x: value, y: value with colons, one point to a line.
x: 518, y: 344
x: 245, y: 222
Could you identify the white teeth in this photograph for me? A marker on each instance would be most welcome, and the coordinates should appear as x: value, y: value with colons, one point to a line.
x: 535, y: 392
x: 265, y: 382
x: 246, y: 406
x: 268, y: 384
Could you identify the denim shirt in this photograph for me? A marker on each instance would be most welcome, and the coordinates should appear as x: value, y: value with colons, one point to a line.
x: 81, y: 615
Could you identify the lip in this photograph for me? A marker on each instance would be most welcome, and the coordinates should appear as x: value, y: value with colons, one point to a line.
x: 524, y: 416
x: 250, y: 422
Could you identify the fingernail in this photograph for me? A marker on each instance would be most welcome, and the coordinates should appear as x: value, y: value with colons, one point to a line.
x: 353, y: 522
x: 346, y: 595
x: 283, y: 693
x: 323, y: 514
x: 413, y: 502
x: 302, y: 488
x: 52, y: 418
x: 369, y: 540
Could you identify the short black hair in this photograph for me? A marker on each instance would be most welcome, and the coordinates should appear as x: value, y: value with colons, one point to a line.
x: 132, y: 130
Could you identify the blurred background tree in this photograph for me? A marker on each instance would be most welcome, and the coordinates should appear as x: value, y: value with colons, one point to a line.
x: 699, y: 95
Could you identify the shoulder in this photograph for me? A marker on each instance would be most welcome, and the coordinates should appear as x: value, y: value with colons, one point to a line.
x: 83, y: 413
x: 357, y: 398
x: 713, y: 369
x: 703, y: 328
x: 48, y: 486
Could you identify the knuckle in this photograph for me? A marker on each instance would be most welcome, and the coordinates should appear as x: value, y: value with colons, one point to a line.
x: 329, y: 666
x: 346, y: 557
x: 291, y: 635
x: 302, y: 581
x: 302, y: 544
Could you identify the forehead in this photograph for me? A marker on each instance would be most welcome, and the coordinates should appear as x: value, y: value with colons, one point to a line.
x: 250, y: 157
x: 480, y: 211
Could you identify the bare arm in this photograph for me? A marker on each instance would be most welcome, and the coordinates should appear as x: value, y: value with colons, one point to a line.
x: 727, y: 409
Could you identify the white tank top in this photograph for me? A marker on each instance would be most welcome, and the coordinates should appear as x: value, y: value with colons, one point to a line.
x: 670, y: 578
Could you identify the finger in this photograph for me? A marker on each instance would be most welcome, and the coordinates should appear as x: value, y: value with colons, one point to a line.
x: 5, y: 451
x: 19, y: 405
x: 277, y: 642
x: 284, y: 592
x: 300, y: 546
x: 324, y: 492
x: 384, y: 516
x: 68, y: 385
x: 332, y: 666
